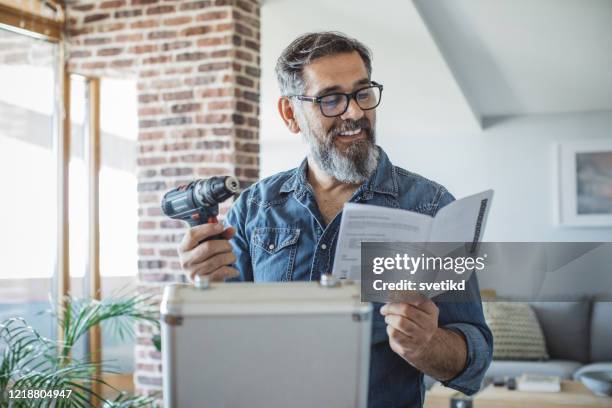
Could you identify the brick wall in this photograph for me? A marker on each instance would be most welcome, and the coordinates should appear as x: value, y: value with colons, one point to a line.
x: 197, y: 67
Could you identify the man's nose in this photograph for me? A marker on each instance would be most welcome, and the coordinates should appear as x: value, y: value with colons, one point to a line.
x: 353, y: 111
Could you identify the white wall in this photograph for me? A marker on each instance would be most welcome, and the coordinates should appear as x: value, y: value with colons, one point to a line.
x: 437, y: 138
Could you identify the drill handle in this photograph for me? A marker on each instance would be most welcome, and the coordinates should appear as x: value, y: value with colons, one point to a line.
x: 195, y: 221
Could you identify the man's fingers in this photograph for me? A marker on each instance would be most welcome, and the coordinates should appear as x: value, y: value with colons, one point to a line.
x: 212, y: 264
x: 425, y: 305
x: 206, y: 250
x: 229, y: 232
x: 194, y: 235
x: 405, y: 326
x: 409, y: 312
x: 220, y: 274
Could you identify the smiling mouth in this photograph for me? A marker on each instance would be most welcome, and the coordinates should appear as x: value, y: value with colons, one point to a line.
x: 351, y: 135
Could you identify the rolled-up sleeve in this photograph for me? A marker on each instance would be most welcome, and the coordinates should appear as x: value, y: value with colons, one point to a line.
x: 465, y: 316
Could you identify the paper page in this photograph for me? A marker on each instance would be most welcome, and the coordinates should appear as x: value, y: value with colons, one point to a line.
x: 371, y: 223
x: 462, y: 220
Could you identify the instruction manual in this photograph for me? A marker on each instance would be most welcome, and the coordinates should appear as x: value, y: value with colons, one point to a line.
x: 460, y: 221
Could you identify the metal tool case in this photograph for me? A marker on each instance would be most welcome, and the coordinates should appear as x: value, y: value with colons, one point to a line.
x: 290, y: 344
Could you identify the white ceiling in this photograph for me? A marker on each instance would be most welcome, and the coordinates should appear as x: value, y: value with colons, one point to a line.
x: 515, y: 57
x: 454, y: 65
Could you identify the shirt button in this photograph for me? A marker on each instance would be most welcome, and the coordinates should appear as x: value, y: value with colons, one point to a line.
x: 323, y: 246
x: 271, y: 246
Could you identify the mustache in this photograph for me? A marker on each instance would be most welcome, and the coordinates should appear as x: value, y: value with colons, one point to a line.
x: 349, y: 125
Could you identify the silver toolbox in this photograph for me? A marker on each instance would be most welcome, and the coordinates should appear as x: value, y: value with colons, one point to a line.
x: 290, y: 344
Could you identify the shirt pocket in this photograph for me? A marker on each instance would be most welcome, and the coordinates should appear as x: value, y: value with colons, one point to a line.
x: 273, y: 253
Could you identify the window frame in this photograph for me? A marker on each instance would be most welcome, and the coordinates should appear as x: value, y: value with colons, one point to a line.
x: 26, y: 22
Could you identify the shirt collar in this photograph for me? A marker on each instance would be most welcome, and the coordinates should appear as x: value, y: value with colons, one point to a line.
x: 383, y: 180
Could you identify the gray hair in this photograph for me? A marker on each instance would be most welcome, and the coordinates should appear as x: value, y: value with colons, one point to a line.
x: 308, y: 47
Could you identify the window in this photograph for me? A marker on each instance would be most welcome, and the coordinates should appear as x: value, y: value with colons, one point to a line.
x: 28, y: 209
x: 118, y: 205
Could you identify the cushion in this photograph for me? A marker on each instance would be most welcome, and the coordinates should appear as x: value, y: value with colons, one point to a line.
x: 589, y: 368
x: 566, y: 327
x: 516, y: 332
x: 601, y: 332
x: 562, y: 368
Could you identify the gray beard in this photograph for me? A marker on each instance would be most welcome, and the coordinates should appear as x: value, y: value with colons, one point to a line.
x: 355, y: 166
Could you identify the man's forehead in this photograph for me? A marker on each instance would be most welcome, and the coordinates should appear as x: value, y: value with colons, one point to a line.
x: 341, y: 70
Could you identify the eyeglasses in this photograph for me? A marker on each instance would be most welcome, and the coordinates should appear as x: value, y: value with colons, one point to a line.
x: 335, y: 104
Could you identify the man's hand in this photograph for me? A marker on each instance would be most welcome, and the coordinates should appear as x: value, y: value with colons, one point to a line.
x: 410, y: 326
x: 210, y: 258
x: 414, y: 335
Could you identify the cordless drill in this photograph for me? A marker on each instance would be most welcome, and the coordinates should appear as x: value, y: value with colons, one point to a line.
x: 197, y: 203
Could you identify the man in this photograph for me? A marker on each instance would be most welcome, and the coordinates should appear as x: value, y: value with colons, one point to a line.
x: 286, y: 227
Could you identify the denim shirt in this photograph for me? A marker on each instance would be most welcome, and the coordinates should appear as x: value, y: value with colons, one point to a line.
x: 281, y: 236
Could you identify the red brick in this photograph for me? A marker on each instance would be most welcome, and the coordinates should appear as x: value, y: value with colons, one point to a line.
x: 160, y: 10
x: 97, y: 41
x: 124, y: 63
x: 173, y: 96
x: 224, y: 27
x: 105, y: 28
x: 80, y: 54
x: 132, y: 38
x: 195, y: 5
x: 155, y: 35
x: 199, y: 30
x: 145, y: 24
x: 201, y: 80
x: 176, y: 45
x: 128, y: 13
x: 148, y: 73
x: 214, y: 66
x: 187, y: 107
x: 150, y: 111
x: 148, y: 98
x: 214, y: 92
x: 212, y: 15
x: 96, y: 17
x: 157, y: 60
x: 181, y: 20
x: 109, y: 51
x: 143, y: 49
x: 213, y: 118
x: 166, y: 83
x: 205, y: 42
x: 94, y: 65
x: 217, y: 105
x: 244, y: 30
x: 112, y: 4
x: 82, y: 7
x: 192, y: 56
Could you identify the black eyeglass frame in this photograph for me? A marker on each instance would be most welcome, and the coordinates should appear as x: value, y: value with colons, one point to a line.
x: 348, y: 96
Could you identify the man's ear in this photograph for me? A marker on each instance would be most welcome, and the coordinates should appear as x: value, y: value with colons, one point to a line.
x: 285, y: 108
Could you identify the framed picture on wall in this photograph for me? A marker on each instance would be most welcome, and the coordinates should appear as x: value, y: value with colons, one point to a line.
x: 585, y: 183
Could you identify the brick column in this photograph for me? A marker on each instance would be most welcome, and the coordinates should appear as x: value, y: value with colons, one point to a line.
x: 197, y: 67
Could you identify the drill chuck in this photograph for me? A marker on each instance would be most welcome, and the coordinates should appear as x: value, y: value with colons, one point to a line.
x: 198, y: 202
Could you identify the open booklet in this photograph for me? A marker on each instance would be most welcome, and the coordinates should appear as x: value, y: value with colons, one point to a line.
x: 460, y: 221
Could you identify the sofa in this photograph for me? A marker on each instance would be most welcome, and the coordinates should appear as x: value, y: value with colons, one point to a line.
x: 578, y: 338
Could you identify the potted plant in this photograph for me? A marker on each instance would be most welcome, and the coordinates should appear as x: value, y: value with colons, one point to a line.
x: 39, y: 372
